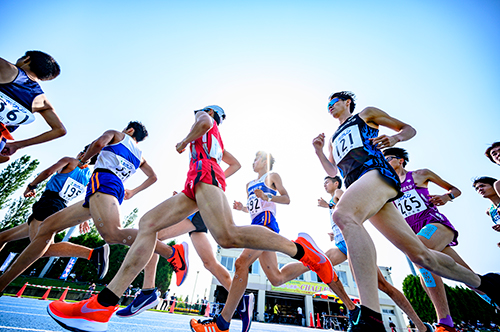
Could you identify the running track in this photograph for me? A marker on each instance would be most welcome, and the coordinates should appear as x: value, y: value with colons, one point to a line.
x: 24, y: 314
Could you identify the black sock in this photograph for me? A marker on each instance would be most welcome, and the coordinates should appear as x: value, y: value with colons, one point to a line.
x: 107, y: 298
x: 300, y: 252
x: 147, y: 291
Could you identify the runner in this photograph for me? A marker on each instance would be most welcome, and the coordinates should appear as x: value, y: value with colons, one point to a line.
x: 67, y: 182
x: 119, y: 158
x: 493, y: 154
x: 484, y: 187
x: 371, y: 185
x: 21, y: 96
x: 204, y: 191
x: 262, y: 196
x: 419, y: 209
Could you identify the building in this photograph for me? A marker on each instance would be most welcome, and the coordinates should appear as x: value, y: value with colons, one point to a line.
x: 298, y: 292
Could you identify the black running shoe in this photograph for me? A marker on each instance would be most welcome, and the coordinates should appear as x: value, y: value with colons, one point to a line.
x: 100, y: 259
x: 428, y: 327
x: 490, y: 284
x: 358, y: 324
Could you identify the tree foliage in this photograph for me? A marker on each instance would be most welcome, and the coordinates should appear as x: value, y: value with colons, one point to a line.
x: 465, y: 305
x: 13, y: 177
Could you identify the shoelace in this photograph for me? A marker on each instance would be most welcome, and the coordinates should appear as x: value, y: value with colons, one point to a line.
x: 174, y: 265
x: 207, y: 321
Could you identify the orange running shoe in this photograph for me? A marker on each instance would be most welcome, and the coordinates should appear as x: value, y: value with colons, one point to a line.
x: 315, y: 259
x: 207, y: 325
x: 444, y: 328
x: 86, y: 315
x: 179, y: 262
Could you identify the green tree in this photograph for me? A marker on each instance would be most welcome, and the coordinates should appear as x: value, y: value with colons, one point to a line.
x: 13, y: 177
x: 418, y: 298
x: 20, y: 209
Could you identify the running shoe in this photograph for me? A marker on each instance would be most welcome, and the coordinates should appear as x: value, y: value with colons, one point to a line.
x: 315, y: 259
x: 86, y: 315
x: 179, y: 262
x: 139, y: 304
x: 100, y: 259
x: 358, y: 324
x: 428, y: 327
x: 444, y: 328
x: 207, y: 325
x: 245, y: 309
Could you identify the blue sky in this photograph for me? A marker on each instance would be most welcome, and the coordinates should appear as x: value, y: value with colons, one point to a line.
x: 271, y: 66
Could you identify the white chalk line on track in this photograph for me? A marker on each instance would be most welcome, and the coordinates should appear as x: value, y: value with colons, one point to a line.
x: 25, y: 329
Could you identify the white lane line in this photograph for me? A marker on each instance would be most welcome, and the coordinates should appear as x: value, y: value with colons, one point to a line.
x: 22, y: 313
x: 25, y: 329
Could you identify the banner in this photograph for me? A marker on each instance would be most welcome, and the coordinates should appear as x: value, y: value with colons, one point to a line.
x: 8, y: 260
x: 301, y: 287
x: 68, y: 268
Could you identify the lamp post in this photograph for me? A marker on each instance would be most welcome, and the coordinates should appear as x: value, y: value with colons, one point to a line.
x: 192, y: 297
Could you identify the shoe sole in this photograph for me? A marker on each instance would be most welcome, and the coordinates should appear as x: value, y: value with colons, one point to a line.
x: 251, y: 304
x: 309, y: 239
x: 83, y: 324
x: 106, y: 260
x: 186, y: 261
x: 144, y: 308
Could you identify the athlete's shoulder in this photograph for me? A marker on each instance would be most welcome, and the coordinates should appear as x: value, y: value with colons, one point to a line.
x: 8, y: 71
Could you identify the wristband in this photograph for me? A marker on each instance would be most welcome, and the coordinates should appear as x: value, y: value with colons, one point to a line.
x: 269, y: 197
x: 451, y: 196
x: 331, y: 205
x: 30, y: 187
x: 81, y: 162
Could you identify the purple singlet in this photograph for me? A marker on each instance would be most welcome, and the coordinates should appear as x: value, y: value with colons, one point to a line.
x: 415, y: 207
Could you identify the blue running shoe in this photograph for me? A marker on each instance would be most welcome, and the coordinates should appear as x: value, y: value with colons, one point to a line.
x: 139, y: 304
x: 245, y: 309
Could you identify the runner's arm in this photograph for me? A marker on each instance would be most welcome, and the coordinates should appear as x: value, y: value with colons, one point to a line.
x: 327, y: 163
x: 203, y: 123
x: 8, y: 71
x: 234, y: 164
x: 283, y: 197
x: 97, y: 145
x: 150, y: 173
x: 438, y: 200
x: 239, y: 206
x: 45, y: 174
x: 41, y: 105
x: 380, y: 118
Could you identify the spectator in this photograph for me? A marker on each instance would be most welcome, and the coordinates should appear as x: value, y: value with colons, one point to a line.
x: 392, y: 325
x: 164, y: 305
x: 300, y: 316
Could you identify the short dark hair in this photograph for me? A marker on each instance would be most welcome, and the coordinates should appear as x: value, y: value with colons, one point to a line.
x: 334, y: 179
x: 344, y: 95
x: 43, y: 65
x: 140, y: 132
x: 269, y: 157
x: 488, y: 151
x: 399, y: 153
x: 484, y: 179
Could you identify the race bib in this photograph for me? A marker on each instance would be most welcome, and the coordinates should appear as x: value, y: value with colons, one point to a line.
x: 12, y: 113
x: 125, y: 170
x: 71, y: 189
x: 254, y: 206
x: 410, y: 203
x: 348, y: 139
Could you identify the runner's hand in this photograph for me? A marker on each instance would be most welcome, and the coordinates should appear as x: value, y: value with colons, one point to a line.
x: 84, y: 227
x: 29, y: 192
x: 323, y: 203
x: 10, y: 149
x: 237, y: 205
x: 260, y: 194
x: 129, y: 193
x: 181, y: 147
x: 384, y: 141
x: 439, y: 200
x: 496, y: 227
x: 319, y: 142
